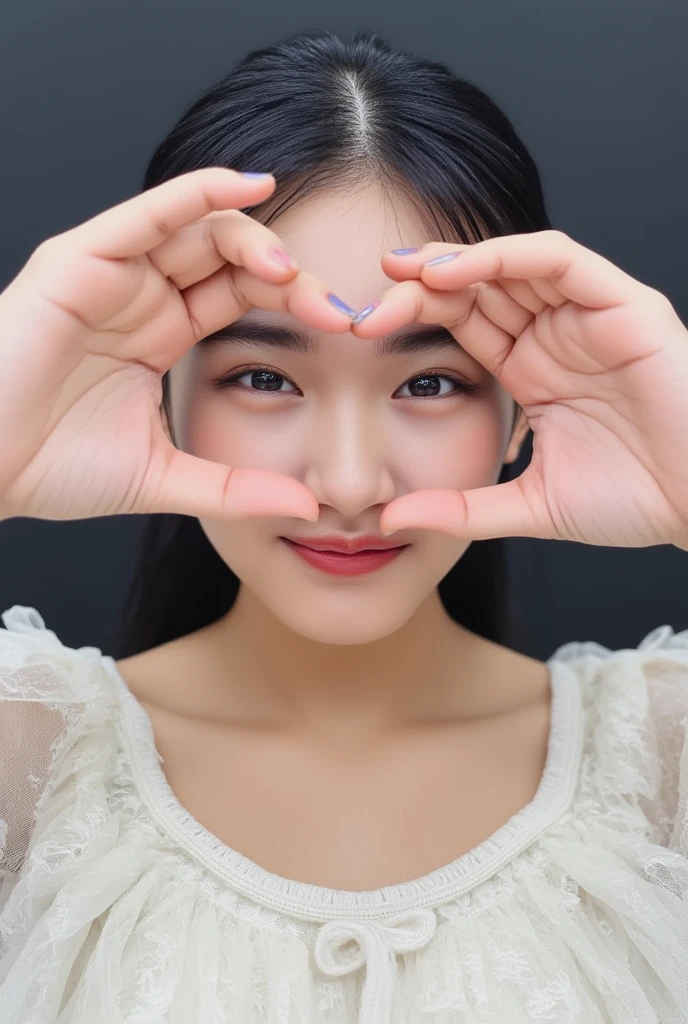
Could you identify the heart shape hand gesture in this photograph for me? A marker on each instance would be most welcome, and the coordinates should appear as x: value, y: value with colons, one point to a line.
x: 597, y: 360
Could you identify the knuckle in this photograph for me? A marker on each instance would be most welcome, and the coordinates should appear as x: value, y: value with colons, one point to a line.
x: 48, y: 245
x: 304, y: 279
x: 209, y: 177
x: 160, y: 222
x: 240, y: 295
x: 660, y: 299
x: 48, y: 251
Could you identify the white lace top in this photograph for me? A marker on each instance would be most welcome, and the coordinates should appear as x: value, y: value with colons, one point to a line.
x: 117, y: 906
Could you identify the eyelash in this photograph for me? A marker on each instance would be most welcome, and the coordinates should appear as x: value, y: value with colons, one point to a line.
x: 232, y: 380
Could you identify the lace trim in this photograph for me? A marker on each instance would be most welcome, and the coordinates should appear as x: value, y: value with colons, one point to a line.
x: 313, y: 902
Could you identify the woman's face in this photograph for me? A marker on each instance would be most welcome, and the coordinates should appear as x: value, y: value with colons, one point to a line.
x: 358, y: 429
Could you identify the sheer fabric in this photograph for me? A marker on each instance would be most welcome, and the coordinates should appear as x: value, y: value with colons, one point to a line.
x: 117, y: 906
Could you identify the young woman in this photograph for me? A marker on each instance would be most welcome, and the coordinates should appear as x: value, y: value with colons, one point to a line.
x: 317, y: 785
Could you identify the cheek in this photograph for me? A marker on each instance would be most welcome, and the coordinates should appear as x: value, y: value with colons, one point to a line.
x: 457, y: 445
x: 223, y: 432
x: 460, y: 451
x: 237, y: 543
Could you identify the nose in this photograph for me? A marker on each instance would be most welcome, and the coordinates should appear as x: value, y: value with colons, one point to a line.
x: 349, y: 461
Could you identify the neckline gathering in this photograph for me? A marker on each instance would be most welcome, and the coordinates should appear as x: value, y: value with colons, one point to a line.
x: 312, y: 902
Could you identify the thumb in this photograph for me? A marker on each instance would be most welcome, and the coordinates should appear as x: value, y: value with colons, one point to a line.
x: 484, y: 513
x: 191, y: 486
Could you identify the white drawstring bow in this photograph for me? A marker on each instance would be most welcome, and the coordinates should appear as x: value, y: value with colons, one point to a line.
x: 379, y: 942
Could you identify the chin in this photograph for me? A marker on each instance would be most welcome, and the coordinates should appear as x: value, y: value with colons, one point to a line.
x: 342, y: 632
x: 357, y: 623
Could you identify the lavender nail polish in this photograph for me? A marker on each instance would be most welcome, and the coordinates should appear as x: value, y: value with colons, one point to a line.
x: 404, y: 252
x: 255, y: 174
x: 340, y: 305
x: 442, y: 259
x: 364, y: 313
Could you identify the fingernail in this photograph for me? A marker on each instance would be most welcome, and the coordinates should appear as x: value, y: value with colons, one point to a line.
x: 388, y: 533
x: 365, y: 312
x: 442, y: 259
x: 403, y: 252
x: 255, y: 174
x: 340, y: 305
x: 281, y: 256
x: 310, y: 517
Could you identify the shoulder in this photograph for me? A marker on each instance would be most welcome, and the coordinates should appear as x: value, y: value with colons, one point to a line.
x: 639, y: 675
x: 635, y: 703
x: 632, y: 689
x: 50, y: 696
x: 36, y: 667
x: 660, y: 642
x: 157, y: 677
x: 178, y: 676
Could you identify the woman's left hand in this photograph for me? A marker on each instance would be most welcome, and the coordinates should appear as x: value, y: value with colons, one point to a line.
x: 598, y: 362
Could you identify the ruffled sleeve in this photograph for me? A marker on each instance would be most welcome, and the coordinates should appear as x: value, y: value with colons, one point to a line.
x: 665, y: 665
x: 654, y: 735
x: 45, y: 691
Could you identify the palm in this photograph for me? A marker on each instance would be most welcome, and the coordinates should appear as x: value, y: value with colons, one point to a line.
x: 107, y: 453
x: 97, y: 442
x: 583, y: 484
x: 589, y: 381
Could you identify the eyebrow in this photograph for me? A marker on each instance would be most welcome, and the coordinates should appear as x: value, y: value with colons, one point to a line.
x: 417, y: 338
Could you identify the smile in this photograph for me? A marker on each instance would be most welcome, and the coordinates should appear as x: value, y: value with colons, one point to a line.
x: 338, y: 564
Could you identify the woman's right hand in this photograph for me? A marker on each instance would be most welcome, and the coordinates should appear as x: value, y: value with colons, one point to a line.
x: 93, y: 320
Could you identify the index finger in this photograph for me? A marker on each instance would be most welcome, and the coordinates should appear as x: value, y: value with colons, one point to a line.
x: 577, y: 273
x: 137, y: 225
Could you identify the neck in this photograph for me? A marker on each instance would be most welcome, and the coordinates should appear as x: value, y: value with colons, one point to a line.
x: 295, y: 683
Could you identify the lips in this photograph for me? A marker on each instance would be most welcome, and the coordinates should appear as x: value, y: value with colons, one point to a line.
x: 338, y: 563
x: 346, y: 546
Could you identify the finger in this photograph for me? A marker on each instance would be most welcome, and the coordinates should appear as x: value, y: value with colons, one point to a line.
x: 475, y: 333
x: 534, y: 296
x: 137, y: 225
x: 402, y: 267
x: 459, y: 308
x: 577, y: 273
x: 197, y: 487
x: 500, y: 309
x: 483, y: 513
x: 197, y: 250
x: 224, y: 297
x: 413, y: 302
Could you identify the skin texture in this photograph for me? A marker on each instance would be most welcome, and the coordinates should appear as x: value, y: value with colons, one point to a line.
x: 333, y: 653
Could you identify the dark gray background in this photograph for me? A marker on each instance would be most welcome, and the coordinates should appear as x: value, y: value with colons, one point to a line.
x: 598, y: 90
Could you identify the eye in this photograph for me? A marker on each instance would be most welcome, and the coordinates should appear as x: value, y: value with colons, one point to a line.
x: 261, y: 379
x: 427, y: 385
x: 423, y: 385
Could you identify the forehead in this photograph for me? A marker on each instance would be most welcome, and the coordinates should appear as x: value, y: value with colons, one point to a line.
x: 341, y: 235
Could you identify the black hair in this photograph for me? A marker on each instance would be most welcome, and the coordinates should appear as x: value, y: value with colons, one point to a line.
x: 320, y: 113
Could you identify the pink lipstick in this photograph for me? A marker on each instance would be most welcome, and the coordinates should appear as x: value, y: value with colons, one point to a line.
x: 353, y: 557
